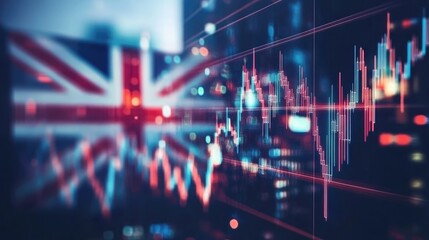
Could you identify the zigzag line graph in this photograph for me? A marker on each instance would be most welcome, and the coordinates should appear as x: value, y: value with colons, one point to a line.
x: 66, y: 171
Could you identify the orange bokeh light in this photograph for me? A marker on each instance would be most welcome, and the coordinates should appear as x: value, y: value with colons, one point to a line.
x: 135, y: 101
x: 204, y: 51
x: 233, y: 223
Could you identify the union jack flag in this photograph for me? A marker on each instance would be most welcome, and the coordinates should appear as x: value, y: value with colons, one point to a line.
x: 65, y: 89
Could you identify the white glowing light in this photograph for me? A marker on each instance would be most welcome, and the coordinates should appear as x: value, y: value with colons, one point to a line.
x: 215, y: 154
x: 391, y: 88
x: 210, y: 28
x: 417, y: 183
x: 207, y: 71
x: 299, y: 124
x: 417, y: 157
x: 251, y: 99
x: 195, y: 51
x: 166, y: 111
x: 144, y: 41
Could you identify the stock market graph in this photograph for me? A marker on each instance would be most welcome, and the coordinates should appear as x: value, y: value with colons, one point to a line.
x: 215, y: 119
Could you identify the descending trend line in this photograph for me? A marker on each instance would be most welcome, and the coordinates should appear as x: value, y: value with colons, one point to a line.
x: 193, y: 14
x: 333, y: 148
x: 234, y: 22
x: 238, y: 205
x: 309, y: 32
x: 191, y: 39
x: 334, y: 183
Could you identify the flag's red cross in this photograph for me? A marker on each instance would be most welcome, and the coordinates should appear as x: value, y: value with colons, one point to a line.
x: 132, y: 109
x: 132, y: 113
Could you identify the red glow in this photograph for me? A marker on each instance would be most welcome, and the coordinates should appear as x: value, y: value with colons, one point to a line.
x: 204, y: 51
x: 191, y: 39
x: 134, y: 81
x: 32, y: 71
x: 386, y: 139
x: 131, y: 84
x: 407, y: 23
x: 127, y: 98
x: 233, y: 223
x: 135, y: 61
x: 303, y: 34
x: 403, y: 139
x: 420, y: 120
x: 44, y: 79
x: 158, y: 120
x: 81, y: 111
x: 266, y: 217
x: 30, y: 107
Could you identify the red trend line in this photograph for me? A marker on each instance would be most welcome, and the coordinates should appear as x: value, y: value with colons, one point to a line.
x: 318, y: 107
x: 336, y: 184
x: 249, y: 15
x: 327, y: 26
x: 265, y: 217
x: 237, y: 11
x: 238, y: 20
